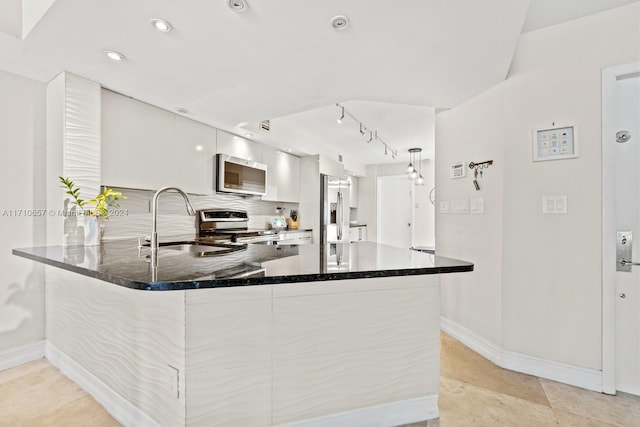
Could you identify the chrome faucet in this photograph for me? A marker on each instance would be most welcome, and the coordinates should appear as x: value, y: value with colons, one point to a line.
x: 154, y: 214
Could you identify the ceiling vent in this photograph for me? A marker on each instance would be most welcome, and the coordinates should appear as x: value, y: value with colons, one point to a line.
x: 265, y: 125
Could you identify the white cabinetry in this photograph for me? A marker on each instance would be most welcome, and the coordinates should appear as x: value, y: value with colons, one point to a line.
x: 358, y: 233
x: 353, y: 193
x: 283, y: 175
x: 296, y: 237
x: 238, y: 146
x: 148, y: 148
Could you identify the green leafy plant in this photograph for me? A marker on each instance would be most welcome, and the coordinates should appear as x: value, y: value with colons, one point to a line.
x: 72, y: 191
x: 104, y: 201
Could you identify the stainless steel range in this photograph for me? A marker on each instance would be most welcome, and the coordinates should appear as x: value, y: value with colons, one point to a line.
x: 227, y: 224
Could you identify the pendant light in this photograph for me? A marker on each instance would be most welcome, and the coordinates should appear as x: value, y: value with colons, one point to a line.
x: 414, y: 170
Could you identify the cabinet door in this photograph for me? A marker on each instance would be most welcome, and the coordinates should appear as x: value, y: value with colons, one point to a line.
x: 283, y: 175
x: 238, y: 146
x: 135, y: 141
x: 357, y: 234
x: 194, y: 148
x: 148, y: 148
x: 362, y: 233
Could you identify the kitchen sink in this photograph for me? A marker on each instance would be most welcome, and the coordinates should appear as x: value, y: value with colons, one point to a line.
x: 196, y: 248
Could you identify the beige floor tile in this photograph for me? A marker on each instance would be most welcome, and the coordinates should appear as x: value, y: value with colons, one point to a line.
x: 26, y: 369
x: 82, y: 412
x: 567, y: 419
x: 620, y: 410
x: 460, y: 363
x: 463, y: 404
x: 27, y: 397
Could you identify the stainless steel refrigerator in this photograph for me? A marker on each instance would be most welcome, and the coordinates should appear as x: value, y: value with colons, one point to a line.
x: 334, y: 209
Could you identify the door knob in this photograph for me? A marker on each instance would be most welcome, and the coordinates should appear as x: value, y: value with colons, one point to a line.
x: 622, y: 295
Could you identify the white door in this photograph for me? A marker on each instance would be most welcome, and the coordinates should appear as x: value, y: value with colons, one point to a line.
x: 394, y: 211
x: 627, y: 212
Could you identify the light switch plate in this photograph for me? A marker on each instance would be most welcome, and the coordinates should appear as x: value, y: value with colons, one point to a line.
x: 460, y: 206
x: 554, y: 205
x: 444, y: 206
x: 476, y: 206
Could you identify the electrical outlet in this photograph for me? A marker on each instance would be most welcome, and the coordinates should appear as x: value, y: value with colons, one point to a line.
x: 173, y: 377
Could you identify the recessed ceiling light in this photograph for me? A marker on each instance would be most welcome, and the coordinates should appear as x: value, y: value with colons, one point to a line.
x: 182, y: 110
x: 113, y: 55
x: 339, y: 22
x: 248, y: 134
x: 237, y: 5
x: 161, y: 25
x: 199, y: 148
x: 290, y: 150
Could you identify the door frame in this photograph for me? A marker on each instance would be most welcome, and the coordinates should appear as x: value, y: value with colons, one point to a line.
x: 609, y: 78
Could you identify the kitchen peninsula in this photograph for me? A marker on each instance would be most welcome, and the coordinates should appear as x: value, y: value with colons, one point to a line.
x: 254, y: 335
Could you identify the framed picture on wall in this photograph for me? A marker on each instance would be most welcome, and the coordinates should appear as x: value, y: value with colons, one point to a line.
x: 555, y: 143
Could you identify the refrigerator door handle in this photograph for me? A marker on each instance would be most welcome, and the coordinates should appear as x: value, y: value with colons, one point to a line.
x: 339, y: 216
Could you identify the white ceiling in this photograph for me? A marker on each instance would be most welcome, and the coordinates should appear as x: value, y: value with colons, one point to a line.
x: 281, y: 60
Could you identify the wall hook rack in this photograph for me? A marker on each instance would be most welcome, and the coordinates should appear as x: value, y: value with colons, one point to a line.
x: 476, y: 166
x: 480, y: 165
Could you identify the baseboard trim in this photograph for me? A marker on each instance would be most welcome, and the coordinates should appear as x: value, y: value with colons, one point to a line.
x: 590, y: 379
x: 389, y: 414
x: 20, y: 355
x: 119, y: 408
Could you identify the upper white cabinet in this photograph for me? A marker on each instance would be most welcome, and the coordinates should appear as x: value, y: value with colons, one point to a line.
x: 148, y: 148
x: 283, y: 175
x: 238, y: 146
x: 353, y: 193
x: 194, y: 148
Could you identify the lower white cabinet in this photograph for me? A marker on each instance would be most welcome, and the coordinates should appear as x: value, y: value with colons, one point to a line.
x: 358, y: 233
x: 296, y: 237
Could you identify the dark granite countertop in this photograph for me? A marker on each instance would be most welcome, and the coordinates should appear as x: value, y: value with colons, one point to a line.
x: 122, y: 263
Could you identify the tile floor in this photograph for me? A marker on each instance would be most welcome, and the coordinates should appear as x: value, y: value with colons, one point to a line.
x: 474, y: 392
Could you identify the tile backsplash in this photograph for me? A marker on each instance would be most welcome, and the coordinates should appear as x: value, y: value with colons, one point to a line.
x: 133, y: 218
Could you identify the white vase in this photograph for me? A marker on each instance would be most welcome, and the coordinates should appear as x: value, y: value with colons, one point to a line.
x: 82, y: 230
x: 92, y: 230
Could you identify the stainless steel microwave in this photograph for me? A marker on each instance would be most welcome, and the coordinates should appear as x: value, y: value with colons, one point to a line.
x: 236, y: 175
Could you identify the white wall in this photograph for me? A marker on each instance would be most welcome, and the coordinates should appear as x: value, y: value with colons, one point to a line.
x: 472, y: 132
x: 22, y: 164
x: 540, y: 273
x: 11, y: 17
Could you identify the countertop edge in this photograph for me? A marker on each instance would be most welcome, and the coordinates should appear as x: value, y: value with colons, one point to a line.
x: 251, y: 281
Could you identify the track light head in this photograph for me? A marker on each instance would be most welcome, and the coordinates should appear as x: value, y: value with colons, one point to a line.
x: 341, y: 118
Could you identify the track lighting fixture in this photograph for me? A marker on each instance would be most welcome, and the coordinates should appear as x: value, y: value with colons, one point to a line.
x: 373, y: 134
